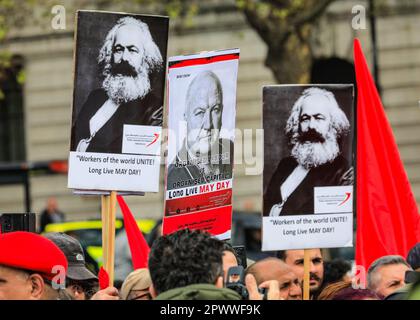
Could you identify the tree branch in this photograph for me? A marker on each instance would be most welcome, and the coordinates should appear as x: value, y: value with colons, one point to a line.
x: 319, y: 9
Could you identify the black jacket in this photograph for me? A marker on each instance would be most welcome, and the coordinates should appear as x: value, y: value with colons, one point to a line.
x: 301, y: 201
x: 178, y: 172
x: 146, y: 111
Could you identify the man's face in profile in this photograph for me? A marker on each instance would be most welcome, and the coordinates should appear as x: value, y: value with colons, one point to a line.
x: 14, y: 285
x: 204, y: 116
x: 314, y: 120
x: 128, y: 54
x: 390, y: 278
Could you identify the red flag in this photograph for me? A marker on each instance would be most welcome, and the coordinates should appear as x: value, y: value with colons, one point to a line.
x: 388, y: 220
x: 103, y: 279
x: 138, y: 245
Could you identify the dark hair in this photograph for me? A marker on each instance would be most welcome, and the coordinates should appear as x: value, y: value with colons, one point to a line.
x: 356, y: 294
x: 335, y: 270
x: 372, y: 279
x: 281, y: 254
x: 413, y: 257
x: 228, y: 247
x: 183, y: 258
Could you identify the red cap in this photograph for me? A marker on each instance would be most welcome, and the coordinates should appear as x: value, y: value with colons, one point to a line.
x: 32, y: 252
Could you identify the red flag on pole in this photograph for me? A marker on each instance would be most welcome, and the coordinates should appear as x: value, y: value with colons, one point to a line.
x: 103, y: 279
x: 138, y: 245
x: 388, y: 220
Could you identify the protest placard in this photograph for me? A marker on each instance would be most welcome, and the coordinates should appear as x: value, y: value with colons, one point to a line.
x: 201, y: 123
x: 308, y: 178
x: 120, y: 62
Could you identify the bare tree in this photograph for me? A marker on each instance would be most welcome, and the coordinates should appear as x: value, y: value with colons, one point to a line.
x: 285, y: 26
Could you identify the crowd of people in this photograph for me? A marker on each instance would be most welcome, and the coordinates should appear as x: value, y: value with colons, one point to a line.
x: 193, y: 265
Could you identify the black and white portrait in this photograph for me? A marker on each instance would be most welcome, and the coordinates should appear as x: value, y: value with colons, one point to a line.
x: 119, y: 78
x: 308, y: 139
x: 203, y: 156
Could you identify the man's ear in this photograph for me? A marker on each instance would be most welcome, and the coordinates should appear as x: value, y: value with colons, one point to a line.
x: 219, y: 282
x: 152, y: 291
x: 37, y: 286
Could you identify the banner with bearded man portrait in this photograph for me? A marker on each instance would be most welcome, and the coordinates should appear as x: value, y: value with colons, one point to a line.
x: 120, y: 62
x: 308, y: 176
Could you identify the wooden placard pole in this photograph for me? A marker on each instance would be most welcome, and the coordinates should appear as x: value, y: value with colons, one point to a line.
x: 104, y: 214
x: 306, y: 277
x: 108, y: 233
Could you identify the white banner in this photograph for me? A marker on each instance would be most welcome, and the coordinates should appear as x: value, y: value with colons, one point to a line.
x: 122, y: 172
x: 294, y: 232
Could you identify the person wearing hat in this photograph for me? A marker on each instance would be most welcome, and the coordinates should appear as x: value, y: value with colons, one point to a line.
x: 31, y: 268
x: 81, y: 283
x: 136, y: 285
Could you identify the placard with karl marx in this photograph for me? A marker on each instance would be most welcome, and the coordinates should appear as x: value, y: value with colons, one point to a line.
x: 119, y: 78
x: 308, y: 147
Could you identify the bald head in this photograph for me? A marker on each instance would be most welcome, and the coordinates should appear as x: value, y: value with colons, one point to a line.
x: 276, y: 269
x: 203, y: 113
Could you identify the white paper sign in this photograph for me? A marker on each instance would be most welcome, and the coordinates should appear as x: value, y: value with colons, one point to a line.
x: 293, y: 232
x: 114, y: 172
x: 308, y: 178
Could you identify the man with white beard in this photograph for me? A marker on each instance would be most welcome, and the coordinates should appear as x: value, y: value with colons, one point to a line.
x: 204, y: 156
x: 314, y: 129
x: 129, y: 59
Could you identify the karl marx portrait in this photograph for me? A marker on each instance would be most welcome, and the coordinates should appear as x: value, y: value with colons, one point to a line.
x: 128, y: 60
x: 314, y: 130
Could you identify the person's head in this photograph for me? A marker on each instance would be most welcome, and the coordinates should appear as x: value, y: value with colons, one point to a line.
x: 356, y: 294
x: 386, y: 274
x: 330, y: 290
x: 203, y: 113
x: 336, y: 270
x: 136, y: 285
x: 128, y: 57
x: 81, y: 283
x: 155, y: 233
x: 276, y: 269
x: 183, y: 258
x: 31, y: 267
x: 413, y: 257
x: 229, y: 259
x: 52, y: 205
x: 294, y: 258
x: 314, y: 128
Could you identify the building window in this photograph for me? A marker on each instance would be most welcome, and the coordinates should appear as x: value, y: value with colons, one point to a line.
x: 12, y: 126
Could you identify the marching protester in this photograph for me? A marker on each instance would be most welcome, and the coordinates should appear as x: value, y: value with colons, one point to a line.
x: 188, y: 265
x: 136, y: 285
x: 356, y: 294
x: 335, y: 271
x: 229, y: 259
x: 294, y: 259
x: 386, y: 274
x: 343, y: 290
x: 31, y: 268
x: 275, y: 269
x: 81, y: 283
